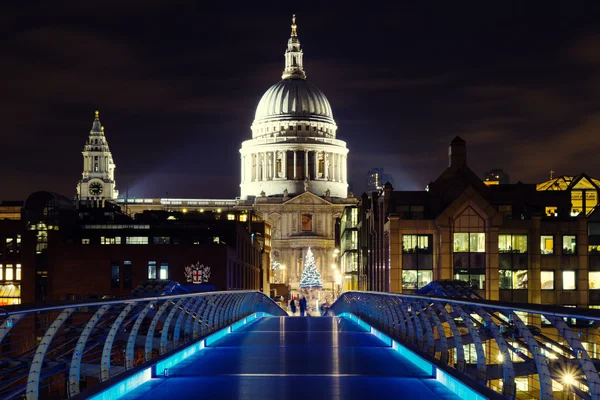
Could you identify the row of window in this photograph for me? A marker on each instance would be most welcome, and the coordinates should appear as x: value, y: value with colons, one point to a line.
x: 104, y: 240
x: 116, y: 274
x: 475, y: 243
x: 10, y: 272
x: 509, y: 279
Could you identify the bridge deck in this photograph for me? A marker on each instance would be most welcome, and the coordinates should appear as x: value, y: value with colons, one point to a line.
x: 291, y: 358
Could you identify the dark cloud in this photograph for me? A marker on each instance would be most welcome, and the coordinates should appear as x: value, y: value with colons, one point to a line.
x: 177, y: 84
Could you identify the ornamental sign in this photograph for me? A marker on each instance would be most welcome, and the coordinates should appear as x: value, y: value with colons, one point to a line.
x: 197, y: 273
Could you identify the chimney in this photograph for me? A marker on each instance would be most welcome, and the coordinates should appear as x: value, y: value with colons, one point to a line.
x: 457, y: 153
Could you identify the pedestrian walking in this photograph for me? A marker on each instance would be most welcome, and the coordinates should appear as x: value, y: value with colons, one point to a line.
x: 293, y: 306
x: 302, y: 306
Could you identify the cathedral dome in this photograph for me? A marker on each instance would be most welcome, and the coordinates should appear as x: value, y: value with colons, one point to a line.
x: 293, y: 99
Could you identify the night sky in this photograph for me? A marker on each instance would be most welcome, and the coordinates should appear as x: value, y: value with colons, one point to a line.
x: 177, y: 85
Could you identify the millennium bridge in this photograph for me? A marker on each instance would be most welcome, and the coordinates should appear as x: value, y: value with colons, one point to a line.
x: 241, y: 344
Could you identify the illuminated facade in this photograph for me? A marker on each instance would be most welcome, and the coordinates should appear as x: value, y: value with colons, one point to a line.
x: 500, y: 239
x: 582, y: 189
x: 496, y: 177
x: 98, y: 177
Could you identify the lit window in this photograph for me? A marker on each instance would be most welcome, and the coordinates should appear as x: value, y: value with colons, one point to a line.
x: 1, y: 273
x: 512, y: 243
x: 216, y: 239
x: 547, y: 280
x: 164, y: 270
x: 551, y: 211
x: 569, y: 282
x: 18, y: 270
x: 416, y: 279
x: 85, y: 241
x: 469, y: 242
x: 594, y: 280
x: 474, y: 277
x: 151, y: 269
x: 416, y: 243
x: 110, y: 240
x: 569, y: 244
x: 136, y: 240
x: 547, y: 244
x: 510, y: 279
x: 594, y: 249
x: 243, y: 218
x: 231, y: 217
x: 9, y: 272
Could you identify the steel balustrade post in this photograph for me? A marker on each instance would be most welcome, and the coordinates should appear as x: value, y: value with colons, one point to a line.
x: 205, y: 321
x: 8, y: 324
x: 192, y: 325
x: 508, y: 371
x: 580, y: 353
x: 409, y: 324
x: 75, y: 368
x: 200, y: 320
x: 110, y: 338
x: 164, y: 336
x: 412, y: 312
x: 461, y: 363
x: 400, y: 320
x: 130, y: 349
x: 186, y: 310
x: 481, y: 361
x: 541, y: 363
x: 432, y: 315
x: 150, y: 333
x: 33, y: 379
x: 427, y: 324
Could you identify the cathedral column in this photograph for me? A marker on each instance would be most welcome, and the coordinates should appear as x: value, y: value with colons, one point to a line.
x: 273, y: 165
x: 344, y: 169
x: 326, y: 159
x: 339, y: 167
x: 295, y: 160
x: 316, y: 164
x: 257, y: 167
x: 334, y: 163
x: 306, y: 176
x: 284, y: 164
x: 264, y: 166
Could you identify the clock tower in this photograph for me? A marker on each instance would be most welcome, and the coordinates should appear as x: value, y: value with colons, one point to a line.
x: 98, y: 177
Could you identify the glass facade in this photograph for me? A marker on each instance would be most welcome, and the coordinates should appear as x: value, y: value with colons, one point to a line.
x: 417, y: 261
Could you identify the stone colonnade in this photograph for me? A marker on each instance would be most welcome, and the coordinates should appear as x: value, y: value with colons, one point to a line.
x: 273, y: 165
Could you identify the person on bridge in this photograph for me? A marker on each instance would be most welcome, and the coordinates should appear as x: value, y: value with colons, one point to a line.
x: 293, y: 306
x: 302, y: 306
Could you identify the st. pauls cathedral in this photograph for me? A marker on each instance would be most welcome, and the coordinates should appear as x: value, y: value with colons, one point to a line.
x: 293, y: 175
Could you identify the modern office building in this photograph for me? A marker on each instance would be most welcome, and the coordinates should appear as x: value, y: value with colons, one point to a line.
x: 515, y: 242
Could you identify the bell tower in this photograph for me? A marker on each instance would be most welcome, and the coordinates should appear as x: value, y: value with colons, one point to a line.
x: 98, y: 177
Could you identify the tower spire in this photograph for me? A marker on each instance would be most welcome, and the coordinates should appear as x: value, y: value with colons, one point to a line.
x: 293, y: 55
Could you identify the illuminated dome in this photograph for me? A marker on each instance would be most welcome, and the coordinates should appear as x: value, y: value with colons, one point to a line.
x: 293, y: 147
x: 293, y: 99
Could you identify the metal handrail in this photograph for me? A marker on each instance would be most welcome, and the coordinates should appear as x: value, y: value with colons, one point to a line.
x: 47, y: 351
x: 517, y: 350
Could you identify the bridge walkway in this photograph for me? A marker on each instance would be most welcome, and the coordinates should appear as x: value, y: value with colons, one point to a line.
x: 292, y: 358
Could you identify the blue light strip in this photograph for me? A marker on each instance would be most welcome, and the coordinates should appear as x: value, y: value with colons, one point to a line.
x: 453, y: 384
x: 122, y: 388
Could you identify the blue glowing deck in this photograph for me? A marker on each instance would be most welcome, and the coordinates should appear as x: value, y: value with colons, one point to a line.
x: 295, y: 358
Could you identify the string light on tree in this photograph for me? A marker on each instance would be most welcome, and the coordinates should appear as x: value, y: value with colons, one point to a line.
x: 311, y: 278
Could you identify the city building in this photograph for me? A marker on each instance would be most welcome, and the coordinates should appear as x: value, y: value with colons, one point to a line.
x: 376, y: 178
x: 83, y: 252
x: 496, y: 177
x: 582, y: 190
x: 513, y: 242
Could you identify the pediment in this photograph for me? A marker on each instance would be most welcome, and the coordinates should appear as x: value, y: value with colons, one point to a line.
x: 307, y: 198
x: 470, y: 198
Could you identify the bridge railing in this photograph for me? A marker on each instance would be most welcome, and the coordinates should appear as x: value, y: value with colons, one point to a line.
x: 518, y: 350
x: 57, y: 351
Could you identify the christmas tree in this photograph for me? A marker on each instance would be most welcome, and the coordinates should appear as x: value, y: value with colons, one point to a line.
x: 311, y: 278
